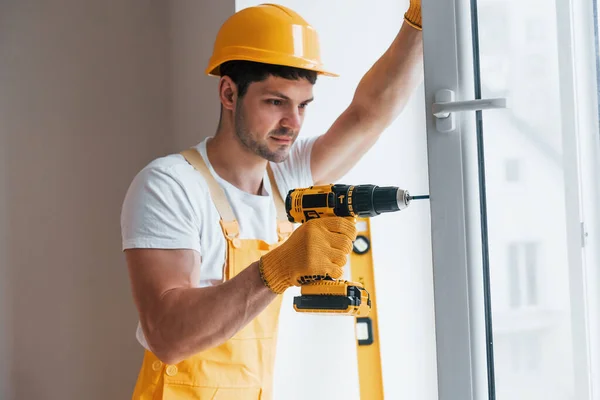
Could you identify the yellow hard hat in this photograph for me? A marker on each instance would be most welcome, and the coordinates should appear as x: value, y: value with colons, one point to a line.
x: 270, y: 34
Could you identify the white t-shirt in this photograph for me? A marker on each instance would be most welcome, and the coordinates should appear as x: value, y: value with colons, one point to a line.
x: 168, y: 206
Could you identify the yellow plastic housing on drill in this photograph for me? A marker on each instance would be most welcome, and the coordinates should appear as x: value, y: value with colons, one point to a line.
x: 312, y: 202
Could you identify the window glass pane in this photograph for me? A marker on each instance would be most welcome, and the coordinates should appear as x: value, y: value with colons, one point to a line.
x: 529, y: 271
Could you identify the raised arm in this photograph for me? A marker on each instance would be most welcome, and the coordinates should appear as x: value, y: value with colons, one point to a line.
x: 378, y: 100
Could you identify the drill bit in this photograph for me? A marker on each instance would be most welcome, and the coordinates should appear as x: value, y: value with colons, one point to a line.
x: 419, y: 197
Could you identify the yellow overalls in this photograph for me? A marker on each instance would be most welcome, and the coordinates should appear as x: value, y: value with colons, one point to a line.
x: 240, y: 368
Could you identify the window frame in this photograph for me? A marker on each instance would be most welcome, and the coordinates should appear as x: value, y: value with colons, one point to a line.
x: 449, y: 225
x: 456, y: 208
x: 587, y: 88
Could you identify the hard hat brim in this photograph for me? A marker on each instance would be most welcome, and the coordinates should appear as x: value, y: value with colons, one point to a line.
x: 265, y: 57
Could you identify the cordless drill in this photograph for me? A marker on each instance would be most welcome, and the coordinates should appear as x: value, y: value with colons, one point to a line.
x: 324, y: 294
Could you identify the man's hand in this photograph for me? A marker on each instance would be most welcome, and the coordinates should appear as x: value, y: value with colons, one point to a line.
x: 379, y: 98
x: 318, y: 247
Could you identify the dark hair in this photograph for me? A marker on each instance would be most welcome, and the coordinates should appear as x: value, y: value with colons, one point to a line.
x: 243, y: 73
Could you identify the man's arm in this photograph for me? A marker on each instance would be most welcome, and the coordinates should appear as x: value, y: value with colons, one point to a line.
x: 178, y: 320
x: 379, y: 98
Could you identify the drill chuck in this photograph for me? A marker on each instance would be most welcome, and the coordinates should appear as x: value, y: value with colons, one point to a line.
x: 371, y: 200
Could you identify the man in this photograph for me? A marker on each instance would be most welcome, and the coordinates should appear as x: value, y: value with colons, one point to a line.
x: 207, y: 242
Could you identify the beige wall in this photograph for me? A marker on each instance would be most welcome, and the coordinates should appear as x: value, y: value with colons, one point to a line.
x: 195, y: 106
x: 5, y: 292
x: 86, y: 101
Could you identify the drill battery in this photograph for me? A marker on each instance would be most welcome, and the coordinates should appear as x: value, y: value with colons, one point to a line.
x: 334, y: 296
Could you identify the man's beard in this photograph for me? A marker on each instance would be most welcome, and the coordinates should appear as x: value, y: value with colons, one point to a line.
x: 261, y: 149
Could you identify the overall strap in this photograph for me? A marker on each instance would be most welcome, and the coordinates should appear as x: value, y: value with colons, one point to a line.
x: 228, y: 221
x: 284, y: 226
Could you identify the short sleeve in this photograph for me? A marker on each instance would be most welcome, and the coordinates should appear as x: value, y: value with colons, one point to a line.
x: 295, y: 171
x: 157, y: 213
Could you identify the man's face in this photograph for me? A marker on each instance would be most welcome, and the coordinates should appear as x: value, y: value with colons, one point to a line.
x: 269, y: 116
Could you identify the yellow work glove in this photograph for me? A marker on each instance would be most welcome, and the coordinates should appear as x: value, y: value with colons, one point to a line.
x: 413, y: 15
x: 317, y: 248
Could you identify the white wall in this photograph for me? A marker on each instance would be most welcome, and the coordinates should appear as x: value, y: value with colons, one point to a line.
x: 83, y: 106
x: 320, y: 351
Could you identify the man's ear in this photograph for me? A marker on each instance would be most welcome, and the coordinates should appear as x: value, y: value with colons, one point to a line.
x: 227, y: 92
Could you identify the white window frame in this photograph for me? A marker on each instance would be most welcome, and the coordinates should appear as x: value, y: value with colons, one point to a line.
x: 585, y: 90
x: 455, y: 205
